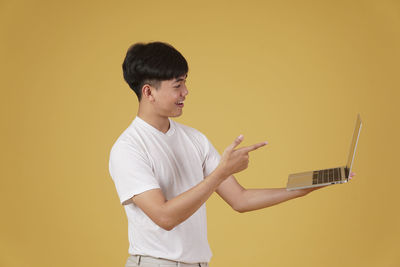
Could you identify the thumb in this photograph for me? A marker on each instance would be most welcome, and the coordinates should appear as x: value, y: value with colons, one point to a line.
x: 235, y: 143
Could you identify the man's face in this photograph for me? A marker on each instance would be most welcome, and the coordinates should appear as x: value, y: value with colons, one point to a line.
x: 169, y: 97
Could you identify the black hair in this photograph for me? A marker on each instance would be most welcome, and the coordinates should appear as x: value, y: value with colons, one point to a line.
x: 152, y: 63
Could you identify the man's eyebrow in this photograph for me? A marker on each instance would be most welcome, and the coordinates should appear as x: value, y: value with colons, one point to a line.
x: 180, y: 79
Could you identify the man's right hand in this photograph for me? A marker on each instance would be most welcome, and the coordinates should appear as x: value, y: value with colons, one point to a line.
x: 236, y: 160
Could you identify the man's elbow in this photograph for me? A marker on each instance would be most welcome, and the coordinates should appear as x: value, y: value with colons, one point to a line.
x: 167, y: 223
x: 239, y: 207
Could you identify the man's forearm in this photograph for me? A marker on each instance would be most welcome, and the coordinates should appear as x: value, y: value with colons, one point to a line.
x: 184, y: 205
x: 254, y: 199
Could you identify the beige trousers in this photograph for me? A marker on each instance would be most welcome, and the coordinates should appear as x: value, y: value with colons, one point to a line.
x: 146, y: 261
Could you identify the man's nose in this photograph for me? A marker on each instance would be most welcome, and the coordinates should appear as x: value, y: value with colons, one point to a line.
x: 185, y: 91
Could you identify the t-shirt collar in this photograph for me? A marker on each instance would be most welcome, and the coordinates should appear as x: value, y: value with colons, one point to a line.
x: 170, y: 131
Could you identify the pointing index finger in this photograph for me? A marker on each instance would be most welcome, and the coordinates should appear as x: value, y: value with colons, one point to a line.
x: 254, y: 147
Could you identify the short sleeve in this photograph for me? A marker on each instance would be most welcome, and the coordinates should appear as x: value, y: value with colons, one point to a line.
x: 211, y: 159
x: 131, y: 171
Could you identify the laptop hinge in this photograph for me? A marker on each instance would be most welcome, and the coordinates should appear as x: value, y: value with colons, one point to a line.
x: 346, y: 172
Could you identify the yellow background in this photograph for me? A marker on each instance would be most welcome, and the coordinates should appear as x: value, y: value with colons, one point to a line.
x: 294, y: 73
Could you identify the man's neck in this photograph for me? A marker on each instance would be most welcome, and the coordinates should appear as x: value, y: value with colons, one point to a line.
x: 158, y: 122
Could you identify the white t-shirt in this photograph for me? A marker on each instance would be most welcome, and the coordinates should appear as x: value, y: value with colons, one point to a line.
x: 145, y: 158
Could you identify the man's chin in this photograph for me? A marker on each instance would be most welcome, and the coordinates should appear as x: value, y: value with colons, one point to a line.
x: 176, y: 115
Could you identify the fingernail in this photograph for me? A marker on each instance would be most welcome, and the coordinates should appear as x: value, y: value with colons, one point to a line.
x: 240, y: 136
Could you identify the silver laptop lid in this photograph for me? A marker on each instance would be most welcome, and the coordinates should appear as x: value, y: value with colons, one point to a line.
x: 353, y: 145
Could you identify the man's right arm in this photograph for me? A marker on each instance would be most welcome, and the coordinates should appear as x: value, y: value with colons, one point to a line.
x: 169, y: 213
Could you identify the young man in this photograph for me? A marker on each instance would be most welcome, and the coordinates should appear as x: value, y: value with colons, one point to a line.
x: 165, y: 171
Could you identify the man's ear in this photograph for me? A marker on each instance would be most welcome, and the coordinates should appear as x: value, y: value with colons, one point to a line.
x: 147, y: 92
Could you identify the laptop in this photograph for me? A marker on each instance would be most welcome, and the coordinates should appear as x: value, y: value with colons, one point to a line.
x: 330, y: 176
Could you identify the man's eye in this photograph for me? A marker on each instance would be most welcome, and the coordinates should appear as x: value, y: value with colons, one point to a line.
x: 177, y: 86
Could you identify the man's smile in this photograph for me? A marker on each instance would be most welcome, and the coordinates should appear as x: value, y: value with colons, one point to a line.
x: 180, y: 104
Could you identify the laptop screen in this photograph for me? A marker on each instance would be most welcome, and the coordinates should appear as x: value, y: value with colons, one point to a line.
x: 354, y: 142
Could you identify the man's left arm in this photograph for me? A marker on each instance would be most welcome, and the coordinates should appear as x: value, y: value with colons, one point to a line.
x: 243, y: 200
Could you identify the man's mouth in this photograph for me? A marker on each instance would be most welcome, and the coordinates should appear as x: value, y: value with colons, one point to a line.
x: 180, y: 104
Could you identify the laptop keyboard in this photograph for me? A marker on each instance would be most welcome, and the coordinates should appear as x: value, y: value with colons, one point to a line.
x: 327, y: 176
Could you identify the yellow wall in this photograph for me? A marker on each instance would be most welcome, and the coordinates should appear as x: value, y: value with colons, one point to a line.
x: 294, y: 73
